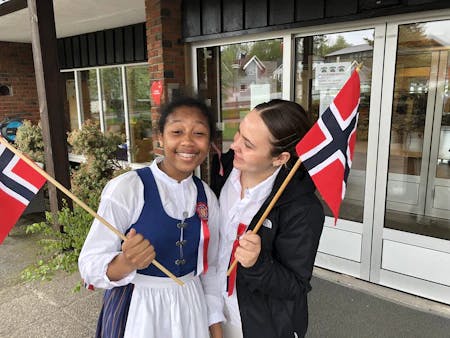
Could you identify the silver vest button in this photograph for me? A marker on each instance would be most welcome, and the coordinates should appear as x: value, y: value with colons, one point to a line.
x: 182, y: 225
x: 181, y: 243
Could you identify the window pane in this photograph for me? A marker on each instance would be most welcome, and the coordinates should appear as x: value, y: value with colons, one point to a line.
x: 418, y: 194
x: 409, y: 111
x: 250, y: 73
x: 113, y: 106
x: 89, y: 94
x: 139, y: 110
x: 71, y: 101
x: 323, y: 64
x: 443, y: 156
x: 112, y: 95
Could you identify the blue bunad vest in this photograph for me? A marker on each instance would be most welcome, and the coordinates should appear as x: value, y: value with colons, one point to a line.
x: 176, y: 243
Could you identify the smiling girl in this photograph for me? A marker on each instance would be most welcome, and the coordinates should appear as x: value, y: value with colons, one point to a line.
x: 162, y: 209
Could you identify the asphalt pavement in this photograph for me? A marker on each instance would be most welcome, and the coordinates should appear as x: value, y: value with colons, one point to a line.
x: 340, y: 305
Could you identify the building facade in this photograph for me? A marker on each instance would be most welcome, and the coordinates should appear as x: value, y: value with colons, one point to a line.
x: 394, y: 226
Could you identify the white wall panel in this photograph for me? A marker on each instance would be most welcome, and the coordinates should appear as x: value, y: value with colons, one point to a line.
x: 338, y: 264
x: 341, y: 243
x: 423, y: 263
x: 423, y: 288
x: 441, y: 197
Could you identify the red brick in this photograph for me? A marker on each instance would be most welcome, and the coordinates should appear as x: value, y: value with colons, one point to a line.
x: 17, y: 71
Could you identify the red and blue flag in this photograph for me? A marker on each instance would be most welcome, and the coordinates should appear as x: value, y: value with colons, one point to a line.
x: 326, y: 150
x: 19, y: 183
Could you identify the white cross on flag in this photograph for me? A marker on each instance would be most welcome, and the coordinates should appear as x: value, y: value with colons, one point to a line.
x: 19, y: 183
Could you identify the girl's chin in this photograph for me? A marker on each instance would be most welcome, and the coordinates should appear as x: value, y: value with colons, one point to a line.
x: 188, y: 167
x: 237, y: 163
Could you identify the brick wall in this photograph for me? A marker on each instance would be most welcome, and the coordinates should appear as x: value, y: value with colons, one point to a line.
x: 17, y: 72
x: 166, y: 55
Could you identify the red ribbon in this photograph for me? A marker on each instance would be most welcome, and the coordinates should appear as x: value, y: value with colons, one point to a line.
x: 232, y: 277
x: 205, y: 244
x: 202, y: 212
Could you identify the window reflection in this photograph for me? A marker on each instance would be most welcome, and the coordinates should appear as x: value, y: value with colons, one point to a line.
x: 139, y: 112
x: 323, y: 64
x: 108, y: 108
x: 71, y: 100
x: 113, y: 106
x: 409, y: 111
x: 418, y: 194
x: 443, y: 156
x: 89, y: 95
x: 251, y: 73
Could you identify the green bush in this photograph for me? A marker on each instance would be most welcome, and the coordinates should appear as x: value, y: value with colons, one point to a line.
x: 59, y: 249
x: 63, y: 234
x: 100, y: 164
x: 29, y: 140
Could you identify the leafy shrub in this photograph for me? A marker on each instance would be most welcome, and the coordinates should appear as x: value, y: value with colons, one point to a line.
x: 63, y: 234
x: 59, y: 249
x: 100, y: 165
x: 29, y: 140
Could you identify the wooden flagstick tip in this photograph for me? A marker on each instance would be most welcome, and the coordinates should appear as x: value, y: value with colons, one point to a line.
x: 359, y: 66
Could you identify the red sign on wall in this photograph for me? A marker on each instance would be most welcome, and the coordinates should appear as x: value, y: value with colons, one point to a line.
x: 156, y: 92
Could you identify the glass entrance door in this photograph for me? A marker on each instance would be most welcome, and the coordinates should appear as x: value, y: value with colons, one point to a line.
x: 411, y: 241
x: 437, y: 201
x: 394, y: 225
x: 418, y: 194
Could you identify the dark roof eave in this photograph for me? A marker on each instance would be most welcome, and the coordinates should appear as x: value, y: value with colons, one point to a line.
x: 12, y: 6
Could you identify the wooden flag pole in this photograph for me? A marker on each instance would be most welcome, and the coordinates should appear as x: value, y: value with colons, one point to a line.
x: 81, y: 203
x: 271, y: 204
x: 359, y: 66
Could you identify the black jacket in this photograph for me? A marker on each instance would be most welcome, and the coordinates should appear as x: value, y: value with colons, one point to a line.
x: 272, y: 294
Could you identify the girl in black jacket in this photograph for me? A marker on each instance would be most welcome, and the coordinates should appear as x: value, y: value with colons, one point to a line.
x: 267, y: 295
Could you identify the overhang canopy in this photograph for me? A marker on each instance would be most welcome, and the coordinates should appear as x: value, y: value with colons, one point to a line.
x: 71, y: 17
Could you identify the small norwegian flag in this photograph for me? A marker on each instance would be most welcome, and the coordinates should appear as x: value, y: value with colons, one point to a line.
x: 326, y: 150
x: 19, y: 183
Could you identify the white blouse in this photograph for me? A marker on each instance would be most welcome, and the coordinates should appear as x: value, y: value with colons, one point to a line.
x: 234, y: 210
x: 121, y: 204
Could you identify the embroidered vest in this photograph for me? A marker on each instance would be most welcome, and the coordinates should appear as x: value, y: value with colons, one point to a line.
x: 180, y: 245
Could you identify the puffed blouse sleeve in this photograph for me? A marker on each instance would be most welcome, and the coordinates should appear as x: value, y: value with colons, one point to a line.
x: 121, y: 204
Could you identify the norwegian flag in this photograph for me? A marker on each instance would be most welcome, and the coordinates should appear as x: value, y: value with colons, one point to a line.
x: 326, y: 150
x: 19, y: 183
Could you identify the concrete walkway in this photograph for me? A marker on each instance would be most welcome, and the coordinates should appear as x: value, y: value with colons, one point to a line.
x: 345, y: 307
x: 45, y: 308
x: 340, y: 306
